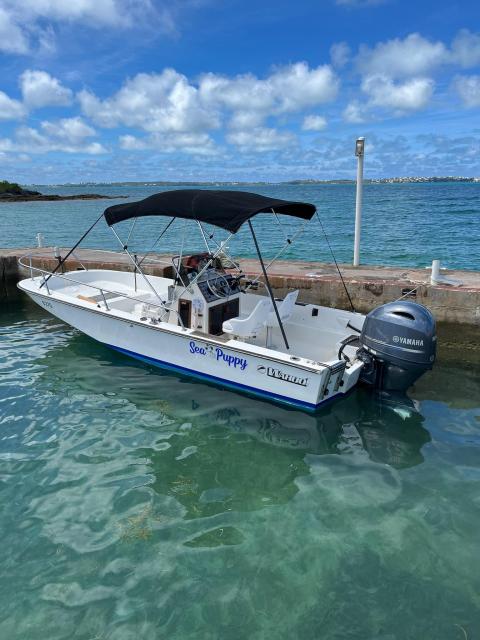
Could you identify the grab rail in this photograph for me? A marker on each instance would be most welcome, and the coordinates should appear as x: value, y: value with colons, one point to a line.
x: 102, y: 290
x: 79, y: 261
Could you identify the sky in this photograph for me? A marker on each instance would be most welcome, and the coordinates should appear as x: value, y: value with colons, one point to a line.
x: 237, y: 90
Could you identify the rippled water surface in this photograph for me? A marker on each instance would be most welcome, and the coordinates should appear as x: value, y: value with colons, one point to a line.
x: 137, y: 504
x: 403, y: 224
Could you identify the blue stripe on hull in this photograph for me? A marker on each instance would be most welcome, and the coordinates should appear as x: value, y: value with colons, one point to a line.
x: 226, y: 383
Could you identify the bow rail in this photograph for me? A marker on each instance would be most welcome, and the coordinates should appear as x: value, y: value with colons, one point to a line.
x: 22, y: 261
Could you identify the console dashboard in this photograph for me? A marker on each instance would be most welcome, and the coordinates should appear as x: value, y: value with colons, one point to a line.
x: 215, y: 286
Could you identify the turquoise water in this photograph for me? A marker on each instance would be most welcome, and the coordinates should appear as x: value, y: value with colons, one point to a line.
x: 403, y: 224
x: 137, y: 504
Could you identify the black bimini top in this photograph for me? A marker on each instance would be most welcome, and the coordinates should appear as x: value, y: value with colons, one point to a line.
x: 226, y: 209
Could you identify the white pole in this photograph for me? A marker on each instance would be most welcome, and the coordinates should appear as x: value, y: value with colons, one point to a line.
x: 435, y: 277
x: 39, y: 240
x: 359, y: 152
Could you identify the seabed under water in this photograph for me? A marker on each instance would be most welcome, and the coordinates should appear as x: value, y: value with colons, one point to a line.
x: 139, y: 504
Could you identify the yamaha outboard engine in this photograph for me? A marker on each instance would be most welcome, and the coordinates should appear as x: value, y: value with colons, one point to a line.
x: 398, y: 344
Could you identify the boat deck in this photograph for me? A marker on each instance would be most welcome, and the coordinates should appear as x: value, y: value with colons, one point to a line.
x: 313, y: 333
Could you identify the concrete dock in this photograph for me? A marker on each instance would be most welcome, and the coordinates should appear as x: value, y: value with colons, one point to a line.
x: 456, y: 307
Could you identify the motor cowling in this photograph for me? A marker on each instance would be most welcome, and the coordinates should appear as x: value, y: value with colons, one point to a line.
x: 398, y: 345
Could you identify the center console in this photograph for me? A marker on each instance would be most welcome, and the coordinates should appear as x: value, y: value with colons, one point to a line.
x: 212, y: 299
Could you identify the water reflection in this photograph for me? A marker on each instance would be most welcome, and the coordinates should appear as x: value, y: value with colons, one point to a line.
x: 387, y: 430
x: 454, y: 383
x: 136, y: 501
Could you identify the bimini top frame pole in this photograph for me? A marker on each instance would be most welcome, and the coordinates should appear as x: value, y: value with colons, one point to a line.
x: 267, y: 282
x: 147, y: 281
x: 63, y: 260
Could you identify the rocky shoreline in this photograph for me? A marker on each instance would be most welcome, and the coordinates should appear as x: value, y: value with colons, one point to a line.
x: 36, y: 197
x: 13, y: 192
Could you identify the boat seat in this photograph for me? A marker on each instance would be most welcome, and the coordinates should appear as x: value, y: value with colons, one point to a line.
x: 285, y: 309
x: 251, y: 325
x: 150, y: 311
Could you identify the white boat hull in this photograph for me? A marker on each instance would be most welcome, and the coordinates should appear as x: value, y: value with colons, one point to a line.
x: 228, y: 363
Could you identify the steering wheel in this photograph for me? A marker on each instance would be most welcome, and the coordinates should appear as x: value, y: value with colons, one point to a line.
x: 214, y: 287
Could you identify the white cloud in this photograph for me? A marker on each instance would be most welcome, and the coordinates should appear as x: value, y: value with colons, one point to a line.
x: 12, y: 37
x: 47, y: 45
x: 72, y: 130
x: 132, y: 143
x: 196, y: 144
x: 314, y: 123
x: 395, y: 73
x: 468, y: 88
x: 288, y: 89
x: 168, y: 103
x: 339, y: 54
x: 355, y: 112
x: 96, y: 12
x: 415, y: 55
x: 466, y: 49
x: 261, y: 139
x: 410, y: 95
x: 163, y: 102
x: 24, y: 21
x: 69, y: 135
x: 296, y: 87
x: 167, y: 112
x: 412, y: 56
x: 10, y: 109
x: 246, y: 119
x: 40, y: 89
x: 245, y: 93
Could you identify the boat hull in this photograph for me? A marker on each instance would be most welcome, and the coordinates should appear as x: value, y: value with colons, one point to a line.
x: 202, y: 357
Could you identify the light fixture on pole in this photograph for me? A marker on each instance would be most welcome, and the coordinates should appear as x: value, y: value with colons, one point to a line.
x: 360, y: 146
x: 359, y: 152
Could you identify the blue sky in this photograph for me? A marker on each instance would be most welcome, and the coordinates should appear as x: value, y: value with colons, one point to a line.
x: 111, y: 90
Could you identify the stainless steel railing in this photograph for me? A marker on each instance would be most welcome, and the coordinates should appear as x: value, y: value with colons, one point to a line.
x: 102, y: 291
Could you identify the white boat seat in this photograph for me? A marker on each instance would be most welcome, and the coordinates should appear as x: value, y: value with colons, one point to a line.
x: 285, y: 309
x: 145, y: 310
x: 251, y: 325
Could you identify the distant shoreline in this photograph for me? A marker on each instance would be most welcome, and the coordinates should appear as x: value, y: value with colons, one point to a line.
x: 13, y: 192
x: 6, y: 198
x: 240, y: 183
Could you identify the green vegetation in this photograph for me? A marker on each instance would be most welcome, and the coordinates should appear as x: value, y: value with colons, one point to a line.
x: 10, y: 187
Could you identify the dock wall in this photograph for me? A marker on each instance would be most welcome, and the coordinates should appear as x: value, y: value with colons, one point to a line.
x: 456, y: 307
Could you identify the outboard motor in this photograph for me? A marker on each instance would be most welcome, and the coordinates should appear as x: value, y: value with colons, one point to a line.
x: 398, y: 344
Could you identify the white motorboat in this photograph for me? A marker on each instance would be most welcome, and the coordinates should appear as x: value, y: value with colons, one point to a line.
x: 208, y: 320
